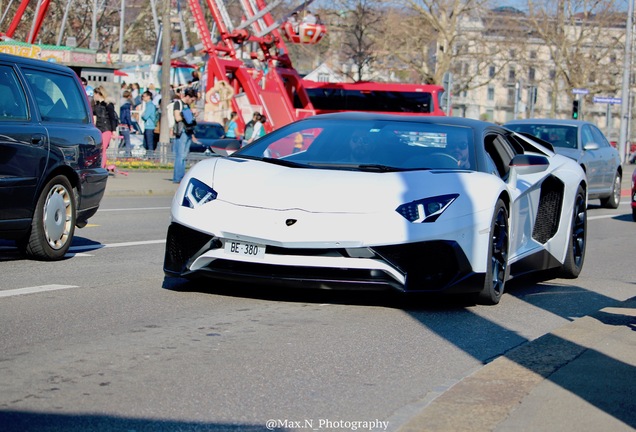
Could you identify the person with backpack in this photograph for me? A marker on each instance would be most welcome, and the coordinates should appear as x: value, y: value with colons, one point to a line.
x: 184, y: 122
x: 176, y: 97
x: 249, y: 127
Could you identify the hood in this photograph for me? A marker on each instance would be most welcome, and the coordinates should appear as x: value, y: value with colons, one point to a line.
x: 261, y: 184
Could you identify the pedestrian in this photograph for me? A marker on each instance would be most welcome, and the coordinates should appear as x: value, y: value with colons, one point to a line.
x: 249, y: 127
x: 149, y: 117
x: 105, y: 118
x: 125, y: 121
x: 152, y: 89
x: 231, y: 129
x: 87, y: 88
x: 259, y: 130
x: 136, y: 93
x: 184, y: 117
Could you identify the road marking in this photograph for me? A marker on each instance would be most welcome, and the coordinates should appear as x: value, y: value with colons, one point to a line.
x: 35, y: 289
x: 133, y: 209
x: 607, y: 216
x: 114, y: 245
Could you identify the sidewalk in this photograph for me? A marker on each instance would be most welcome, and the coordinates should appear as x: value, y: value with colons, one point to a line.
x: 137, y: 183
x: 580, y: 377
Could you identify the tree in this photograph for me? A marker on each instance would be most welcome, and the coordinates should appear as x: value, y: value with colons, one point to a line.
x: 357, y: 28
x: 584, y: 39
x: 432, y: 29
x: 79, y: 23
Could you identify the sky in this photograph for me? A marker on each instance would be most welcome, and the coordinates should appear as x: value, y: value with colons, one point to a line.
x: 518, y: 4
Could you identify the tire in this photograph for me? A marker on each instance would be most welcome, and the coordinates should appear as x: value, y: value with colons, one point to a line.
x: 497, y: 268
x: 615, y: 198
x: 53, y: 223
x: 634, y: 215
x: 575, y: 256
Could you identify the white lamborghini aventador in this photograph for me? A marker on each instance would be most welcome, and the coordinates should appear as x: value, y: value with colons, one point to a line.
x: 418, y: 204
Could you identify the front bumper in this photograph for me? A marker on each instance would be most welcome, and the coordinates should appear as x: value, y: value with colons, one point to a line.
x: 431, y: 266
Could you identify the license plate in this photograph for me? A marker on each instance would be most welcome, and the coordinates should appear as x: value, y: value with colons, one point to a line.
x: 245, y: 249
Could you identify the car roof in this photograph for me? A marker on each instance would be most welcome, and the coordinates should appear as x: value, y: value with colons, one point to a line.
x: 548, y: 121
x: 26, y: 61
x: 453, y: 121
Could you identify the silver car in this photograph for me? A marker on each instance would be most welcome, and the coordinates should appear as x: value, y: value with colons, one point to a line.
x: 586, y: 144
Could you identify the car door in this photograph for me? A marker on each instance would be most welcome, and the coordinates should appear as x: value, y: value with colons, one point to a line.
x: 24, y: 150
x: 608, y: 155
x: 593, y: 160
x: 60, y: 102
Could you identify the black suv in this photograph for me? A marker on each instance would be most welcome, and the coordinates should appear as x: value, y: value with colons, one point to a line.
x: 51, y: 178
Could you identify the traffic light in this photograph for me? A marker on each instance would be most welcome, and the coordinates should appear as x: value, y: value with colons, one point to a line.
x: 575, y: 110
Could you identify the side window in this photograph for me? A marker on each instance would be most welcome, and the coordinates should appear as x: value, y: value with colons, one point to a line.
x: 599, y: 138
x: 501, y: 153
x: 58, y: 97
x: 13, y: 105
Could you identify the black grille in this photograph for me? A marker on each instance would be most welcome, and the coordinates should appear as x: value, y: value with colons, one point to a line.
x: 277, y: 273
x: 549, y: 212
x: 429, y: 266
x: 181, y: 244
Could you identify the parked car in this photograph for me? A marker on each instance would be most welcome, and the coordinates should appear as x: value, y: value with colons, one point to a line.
x: 210, y: 137
x: 350, y: 200
x: 51, y: 179
x: 634, y: 196
x: 586, y: 144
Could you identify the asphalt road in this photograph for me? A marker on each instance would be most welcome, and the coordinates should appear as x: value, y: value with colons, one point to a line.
x: 107, y: 343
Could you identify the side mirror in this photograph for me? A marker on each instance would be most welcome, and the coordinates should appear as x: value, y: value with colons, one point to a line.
x: 591, y: 146
x: 524, y: 164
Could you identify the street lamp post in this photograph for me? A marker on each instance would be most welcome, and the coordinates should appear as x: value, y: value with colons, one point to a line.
x: 625, y: 111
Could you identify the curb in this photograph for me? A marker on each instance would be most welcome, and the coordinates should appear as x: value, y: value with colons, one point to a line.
x: 486, y: 398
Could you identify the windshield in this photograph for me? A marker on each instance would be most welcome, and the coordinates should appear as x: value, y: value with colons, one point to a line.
x: 558, y: 135
x: 368, y: 145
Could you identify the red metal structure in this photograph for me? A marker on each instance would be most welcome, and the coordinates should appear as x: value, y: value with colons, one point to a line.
x: 272, y: 86
x: 303, y: 33
x: 40, y: 14
x: 268, y: 83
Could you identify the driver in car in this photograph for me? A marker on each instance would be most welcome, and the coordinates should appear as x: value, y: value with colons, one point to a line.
x: 458, y: 149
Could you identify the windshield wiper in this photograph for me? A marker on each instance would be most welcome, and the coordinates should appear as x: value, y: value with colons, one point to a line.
x: 285, y: 162
x: 378, y: 167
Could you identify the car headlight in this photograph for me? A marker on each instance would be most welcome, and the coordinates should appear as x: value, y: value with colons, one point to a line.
x: 427, y: 209
x: 197, y: 193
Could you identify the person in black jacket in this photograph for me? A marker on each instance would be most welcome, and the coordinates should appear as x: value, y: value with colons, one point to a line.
x: 105, y: 118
